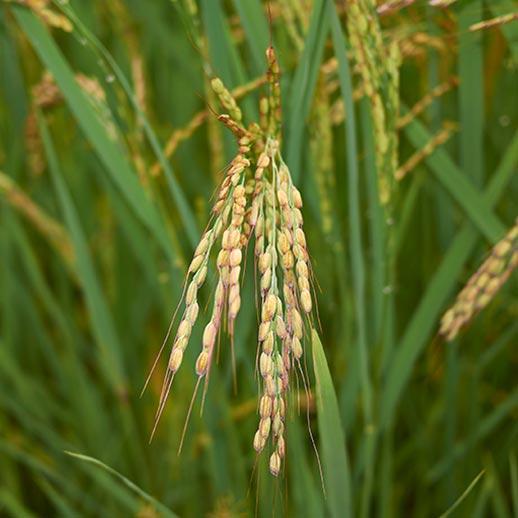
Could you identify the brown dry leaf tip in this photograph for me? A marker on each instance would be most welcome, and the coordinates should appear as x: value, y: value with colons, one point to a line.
x: 483, y: 285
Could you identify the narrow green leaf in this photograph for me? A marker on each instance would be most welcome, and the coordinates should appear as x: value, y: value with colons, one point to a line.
x: 184, y: 209
x: 125, y: 481
x: 356, y: 248
x: 254, y: 22
x: 108, y: 150
x: 102, y: 324
x: 303, y: 85
x: 461, y: 188
x: 13, y: 505
x: 509, y: 30
x: 514, y: 481
x: 424, y: 319
x: 335, y: 462
x: 459, y: 500
x: 471, y: 93
x: 486, y: 426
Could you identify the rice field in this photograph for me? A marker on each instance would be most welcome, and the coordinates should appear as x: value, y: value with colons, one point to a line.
x: 257, y: 258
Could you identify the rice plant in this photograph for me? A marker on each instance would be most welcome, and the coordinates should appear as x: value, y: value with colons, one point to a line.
x: 293, y: 223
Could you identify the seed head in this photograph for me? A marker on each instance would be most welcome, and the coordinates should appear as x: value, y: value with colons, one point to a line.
x: 302, y: 269
x: 269, y: 308
x: 305, y: 300
x: 196, y: 263
x: 283, y: 243
x: 266, y: 279
x: 280, y: 327
x: 270, y: 387
x: 181, y: 342
x: 235, y: 305
x: 259, y: 441
x: 303, y: 284
x: 300, y: 237
x: 234, y: 275
x: 275, y: 464
x: 192, y: 290
x: 283, y: 198
x: 288, y: 260
x: 262, y: 203
x: 191, y: 313
x: 209, y: 335
x: 264, y: 328
x: 265, y: 364
x: 176, y: 359
x: 265, y: 406
x: 296, y: 347
x: 297, y: 198
x: 184, y: 329
x: 203, y: 245
x: 265, y: 261
x: 201, y: 275
x: 202, y: 363
x: 296, y: 323
x: 223, y: 256
x: 268, y: 343
x: 235, y: 257
x: 277, y: 425
x: 281, y: 447
x: 264, y: 426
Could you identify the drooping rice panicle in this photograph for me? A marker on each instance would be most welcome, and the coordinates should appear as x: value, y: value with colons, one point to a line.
x: 256, y: 200
x: 483, y: 285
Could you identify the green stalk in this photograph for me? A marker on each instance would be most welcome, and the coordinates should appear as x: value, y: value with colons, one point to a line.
x: 357, y: 260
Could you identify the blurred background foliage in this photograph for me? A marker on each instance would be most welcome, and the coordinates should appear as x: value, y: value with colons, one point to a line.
x: 98, y: 225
